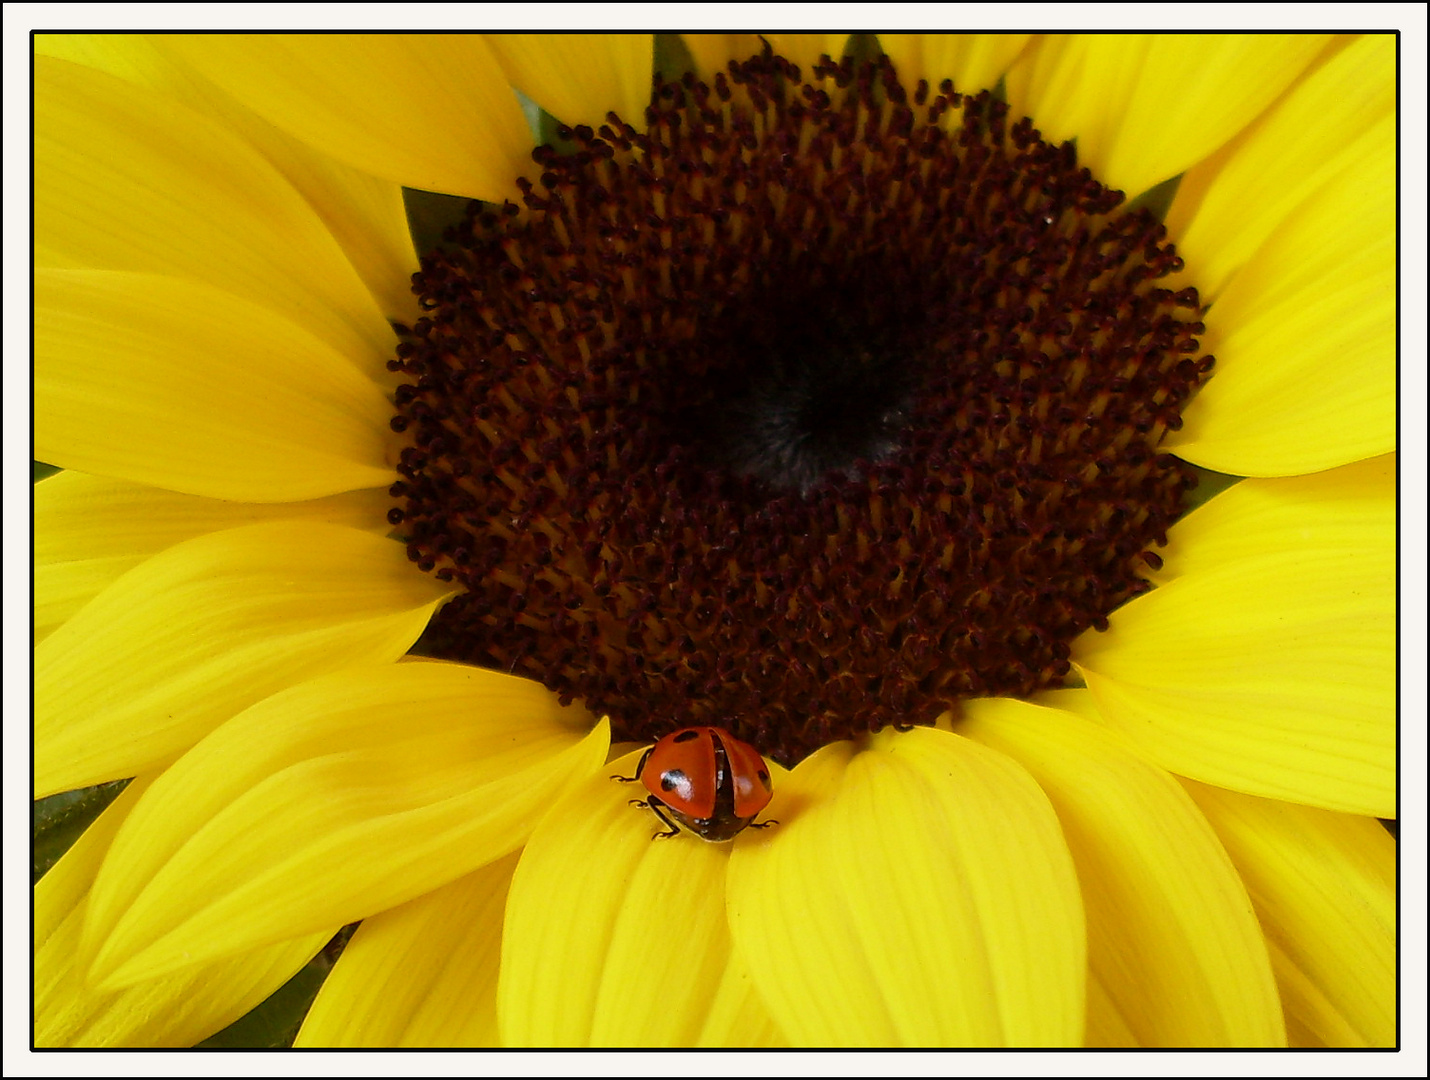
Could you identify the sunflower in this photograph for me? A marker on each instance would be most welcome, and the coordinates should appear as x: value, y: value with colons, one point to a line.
x: 1084, y: 792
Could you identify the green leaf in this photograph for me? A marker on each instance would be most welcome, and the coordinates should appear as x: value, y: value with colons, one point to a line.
x: 57, y: 822
x: 1209, y: 483
x: 672, y: 57
x: 1157, y: 199
x: 274, y: 1022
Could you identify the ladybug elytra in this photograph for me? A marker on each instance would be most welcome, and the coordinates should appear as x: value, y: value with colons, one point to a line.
x: 707, y: 780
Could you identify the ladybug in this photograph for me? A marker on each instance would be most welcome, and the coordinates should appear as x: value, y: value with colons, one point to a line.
x: 707, y: 780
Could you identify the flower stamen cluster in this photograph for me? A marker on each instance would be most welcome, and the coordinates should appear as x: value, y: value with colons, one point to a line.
x: 811, y: 409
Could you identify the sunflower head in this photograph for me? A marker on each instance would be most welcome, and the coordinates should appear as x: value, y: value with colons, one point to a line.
x: 813, y: 403
x: 810, y: 407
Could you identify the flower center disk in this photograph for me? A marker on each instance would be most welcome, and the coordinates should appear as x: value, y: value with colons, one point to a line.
x: 815, y: 408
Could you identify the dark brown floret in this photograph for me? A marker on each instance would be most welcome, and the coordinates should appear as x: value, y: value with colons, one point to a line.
x: 805, y: 412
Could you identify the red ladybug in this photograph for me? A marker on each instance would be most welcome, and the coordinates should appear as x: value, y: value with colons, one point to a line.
x: 707, y: 780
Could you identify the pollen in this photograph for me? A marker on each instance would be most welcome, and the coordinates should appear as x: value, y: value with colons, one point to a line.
x: 815, y: 407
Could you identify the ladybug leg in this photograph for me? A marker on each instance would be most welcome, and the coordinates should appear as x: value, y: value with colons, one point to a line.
x: 762, y: 824
x: 640, y: 765
x: 656, y: 805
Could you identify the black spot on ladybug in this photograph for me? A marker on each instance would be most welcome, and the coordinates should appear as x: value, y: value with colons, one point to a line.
x: 672, y: 779
x: 686, y: 736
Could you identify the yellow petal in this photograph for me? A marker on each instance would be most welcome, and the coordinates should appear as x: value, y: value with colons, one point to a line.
x: 89, y: 530
x: 578, y: 966
x: 65, y: 888
x: 1072, y: 699
x: 176, y: 1011
x: 336, y: 799
x: 579, y: 78
x: 1273, y: 671
x: 1172, y: 939
x: 1350, y: 509
x: 64, y: 588
x: 1145, y: 107
x: 422, y: 974
x: 1305, y: 335
x: 736, y: 1014
x: 1312, y: 1021
x: 131, y: 57
x: 1324, y: 889
x: 973, y: 61
x: 429, y: 111
x: 206, y: 628
x: 917, y: 892
x: 364, y: 214
x: 174, y: 383
x: 1228, y: 206
x: 127, y: 178
x: 1106, y: 1026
